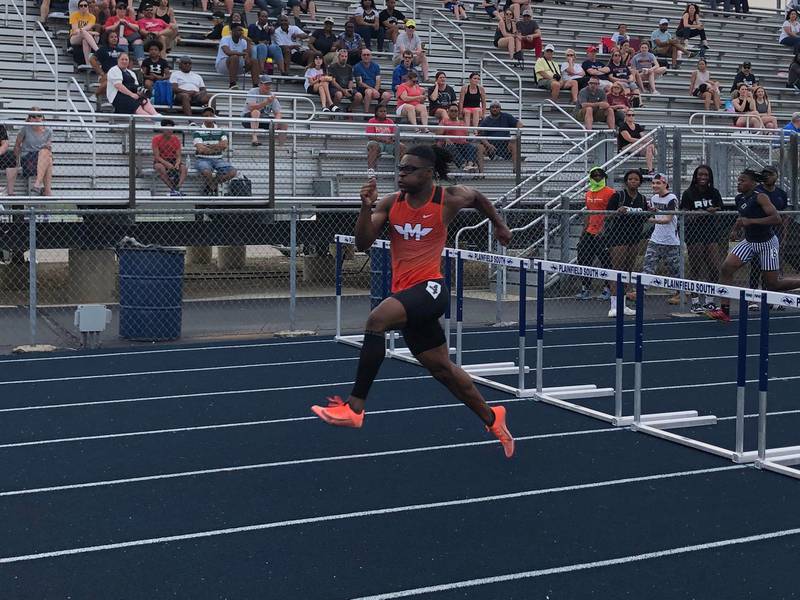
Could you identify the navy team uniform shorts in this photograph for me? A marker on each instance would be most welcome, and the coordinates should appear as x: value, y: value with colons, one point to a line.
x: 424, y: 304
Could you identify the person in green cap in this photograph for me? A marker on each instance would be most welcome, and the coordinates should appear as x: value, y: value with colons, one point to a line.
x: 591, y: 244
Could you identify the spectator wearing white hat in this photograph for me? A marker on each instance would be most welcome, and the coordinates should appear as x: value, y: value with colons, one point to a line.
x: 664, y: 44
x: 548, y: 76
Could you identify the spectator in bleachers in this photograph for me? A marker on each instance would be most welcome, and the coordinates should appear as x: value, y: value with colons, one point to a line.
x: 596, y: 68
x: 217, y: 23
x: 129, y: 39
x: 247, y: 6
x: 411, y: 101
x: 645, y: 66
x: 235, y: 19
x: 167, y: 160
x: 457, y: 8
x: 744, y: 105
x: 233, y: 56
x: 492, y: 8
x: 350, y: 41
x: 592, y: 244
x: 570, y: 70
x: 506, y: 36
x: 210, y: 142
x: 390, y: 20
x: 464, y: 154
x: 691, y: 26
x: 263, y: 47
x: 548, y: 76
x: 368, y: 81
x: 530, y: 34
x: 629, y: 132
x: 620, y: 73
x: 440, y: 97
x: 274, y: 8
x: 343, y: 85
x: 743, y: 75
x: 410, y: 40
x: 472, y: 100
x: 8, y: 161
x: 517, y: 7
x: 664, y: 44
x: 592, y: 105
x: 323, y: 40
x: 618, y: 101
x: 317, y: 81
x: 380, y: 136
x: 764, y: 107
x: 790, y: 30
x: 122, y: 90
x: 105, y: 58
x: 289, y: 38
x: 164, y: 12
x: 627, y: 52
x: 496, y: 144
x: 262, y: 106
x: 367, y: 23
x: 154, y: 67
x: 401, y: 71
x: 793, y: 126
x: 34, y: 148
x: 81, y: 31
x: 153, y: 29
x: 306, y: 7
x: 702, y: 86
x: 188, y: 87
x: 620, y: 35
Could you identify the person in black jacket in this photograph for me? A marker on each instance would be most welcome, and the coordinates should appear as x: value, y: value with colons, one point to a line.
x: 624, y: 231
x: 744, y: 75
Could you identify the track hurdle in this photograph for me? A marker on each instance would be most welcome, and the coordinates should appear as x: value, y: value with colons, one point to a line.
x: 563, y: 397
x: 775, y: 459
x: 480, y: 372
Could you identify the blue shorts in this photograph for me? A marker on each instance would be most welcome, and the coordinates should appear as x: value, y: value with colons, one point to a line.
x: 217, y: 165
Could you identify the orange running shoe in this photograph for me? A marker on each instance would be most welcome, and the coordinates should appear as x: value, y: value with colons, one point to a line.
x: 500, y: 430
x: 338, y: 412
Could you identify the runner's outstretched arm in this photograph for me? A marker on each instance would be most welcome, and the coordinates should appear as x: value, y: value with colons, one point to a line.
x: 370, y: 222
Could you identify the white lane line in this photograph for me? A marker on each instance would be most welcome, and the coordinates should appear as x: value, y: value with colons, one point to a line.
x: 347, y: 359
x: 776, y: 413
x: 250, y: 467
x: 361, y: 514
x: 622, y: 560
x: 714, y: 384
x: 106, y: 436
x: 654, y: 324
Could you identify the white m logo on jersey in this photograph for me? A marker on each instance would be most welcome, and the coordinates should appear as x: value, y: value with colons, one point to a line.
x: 417, y: 231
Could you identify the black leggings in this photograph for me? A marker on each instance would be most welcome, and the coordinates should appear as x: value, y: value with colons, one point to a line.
x: 688, y: 32
x: 589, y: 247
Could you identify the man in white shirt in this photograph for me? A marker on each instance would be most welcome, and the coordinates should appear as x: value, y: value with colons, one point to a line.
x: 188, y: 87
x: 289, y: 38
x: 233, y: 55
x: 409, y: 40
x: 664, y: 245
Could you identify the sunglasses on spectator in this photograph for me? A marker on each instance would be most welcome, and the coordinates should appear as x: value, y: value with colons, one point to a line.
x: 630, y: 114
x: 83, y: 5
x: 408, y: 169
x: 570, y: 54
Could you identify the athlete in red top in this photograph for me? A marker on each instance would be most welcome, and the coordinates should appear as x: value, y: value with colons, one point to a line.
x: 418, y: 217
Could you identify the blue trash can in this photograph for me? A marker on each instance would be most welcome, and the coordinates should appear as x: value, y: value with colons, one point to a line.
x: 150, y: 293
x: 380, y: 275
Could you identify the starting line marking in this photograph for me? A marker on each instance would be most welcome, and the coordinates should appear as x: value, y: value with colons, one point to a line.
x: 583, y: 566
x: 360, y: 514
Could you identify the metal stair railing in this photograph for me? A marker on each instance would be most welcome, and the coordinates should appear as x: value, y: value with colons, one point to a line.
x: 492, y: 57
x: 462, y: 49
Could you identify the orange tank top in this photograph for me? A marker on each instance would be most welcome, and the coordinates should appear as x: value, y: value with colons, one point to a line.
x: 418, y: 236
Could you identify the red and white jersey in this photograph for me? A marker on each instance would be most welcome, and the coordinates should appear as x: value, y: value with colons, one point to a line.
x: 418, y: 236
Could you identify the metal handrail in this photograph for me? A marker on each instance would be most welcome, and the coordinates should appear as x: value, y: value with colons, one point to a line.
x: 565, y: 113
x: 72, y: 108
x: 231, y: 94
x: 23, y: 15
x: 517, y: 95
x: 53, y: 68
x: 462, y: 48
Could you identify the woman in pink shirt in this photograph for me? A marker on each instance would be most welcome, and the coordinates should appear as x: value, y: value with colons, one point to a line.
x: 455, y: 132
x: 411, y: 101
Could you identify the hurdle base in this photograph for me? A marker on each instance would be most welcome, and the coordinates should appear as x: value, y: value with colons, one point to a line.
x: 778, y: 466
x: 673, y: 420
x: 777, y: 455
x: 685, y: 441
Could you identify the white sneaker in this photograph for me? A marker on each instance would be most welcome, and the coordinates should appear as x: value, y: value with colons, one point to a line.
x: 627, y: 311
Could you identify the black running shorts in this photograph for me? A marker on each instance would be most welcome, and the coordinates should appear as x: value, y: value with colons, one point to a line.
x: 424, y: 304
